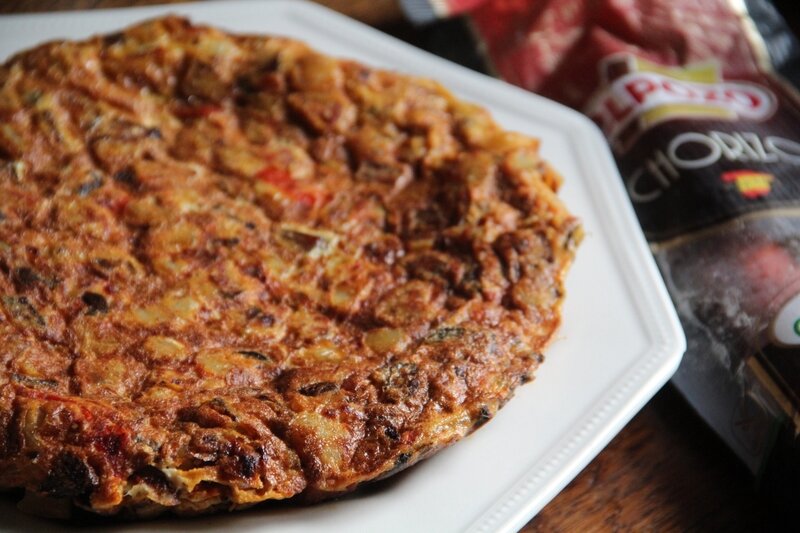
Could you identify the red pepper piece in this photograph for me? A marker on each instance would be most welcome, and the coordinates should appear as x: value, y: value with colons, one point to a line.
x: 276, y: 176
x: 196, y: 111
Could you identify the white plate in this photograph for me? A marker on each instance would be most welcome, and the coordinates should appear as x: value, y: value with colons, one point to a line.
x: 619, y: 344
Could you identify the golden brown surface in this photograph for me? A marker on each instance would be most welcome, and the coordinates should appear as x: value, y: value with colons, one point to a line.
x: 235, y: 270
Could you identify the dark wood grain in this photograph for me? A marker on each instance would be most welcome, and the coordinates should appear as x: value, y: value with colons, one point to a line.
x: 665, y: 471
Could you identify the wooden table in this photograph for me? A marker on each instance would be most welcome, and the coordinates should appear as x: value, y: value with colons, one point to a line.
x: 665, y: 471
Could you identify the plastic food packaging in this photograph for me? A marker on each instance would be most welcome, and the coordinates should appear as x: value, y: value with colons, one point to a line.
x: 697, y: 103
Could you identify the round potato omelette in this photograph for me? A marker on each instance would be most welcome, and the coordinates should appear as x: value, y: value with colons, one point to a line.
x: 233, y: 269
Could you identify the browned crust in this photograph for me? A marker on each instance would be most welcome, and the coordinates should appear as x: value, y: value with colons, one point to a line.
x: 233, y: 269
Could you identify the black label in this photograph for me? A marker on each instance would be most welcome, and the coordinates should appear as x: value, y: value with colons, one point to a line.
x: 695, y: 149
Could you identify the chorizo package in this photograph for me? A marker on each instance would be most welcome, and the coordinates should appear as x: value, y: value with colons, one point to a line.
x: 696, y: 103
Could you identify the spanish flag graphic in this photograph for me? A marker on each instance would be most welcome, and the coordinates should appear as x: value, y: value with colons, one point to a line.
x: 751, y: 184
